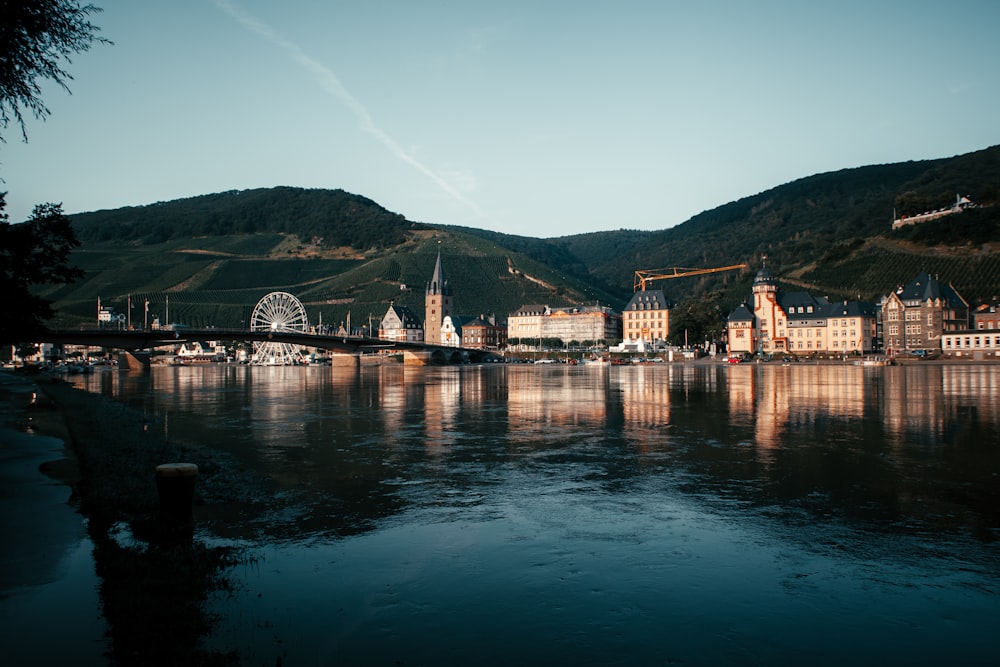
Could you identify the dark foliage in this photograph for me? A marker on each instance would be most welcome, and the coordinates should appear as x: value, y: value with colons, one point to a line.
x: 35, y: 37
x: 33, y: 253
x: 329, y: 218
x: 817, y: 220
x: 829, y: 234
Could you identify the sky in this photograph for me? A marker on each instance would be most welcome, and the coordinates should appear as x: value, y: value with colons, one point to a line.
x: 535, y: 118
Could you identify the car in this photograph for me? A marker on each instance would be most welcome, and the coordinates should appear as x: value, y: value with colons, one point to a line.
x: 735, y: 360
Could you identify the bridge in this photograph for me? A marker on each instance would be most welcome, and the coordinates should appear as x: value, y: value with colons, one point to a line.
x: 136, y: 340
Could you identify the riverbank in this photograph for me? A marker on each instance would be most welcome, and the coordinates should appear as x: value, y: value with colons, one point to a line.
x: 48, y: 585
x: 154, y: 582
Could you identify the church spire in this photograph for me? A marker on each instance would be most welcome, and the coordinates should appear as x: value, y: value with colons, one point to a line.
x: 438, y: 283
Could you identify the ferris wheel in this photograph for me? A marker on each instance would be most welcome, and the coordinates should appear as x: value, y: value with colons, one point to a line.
x: 278, y: 312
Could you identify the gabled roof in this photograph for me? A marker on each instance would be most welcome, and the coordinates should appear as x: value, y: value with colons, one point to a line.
x: 405, y: 315
x: 793, y: 302
x: 925, y: 287
x: 741, y: 314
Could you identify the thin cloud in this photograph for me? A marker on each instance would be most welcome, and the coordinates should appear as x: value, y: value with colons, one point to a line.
x: 330, y: 83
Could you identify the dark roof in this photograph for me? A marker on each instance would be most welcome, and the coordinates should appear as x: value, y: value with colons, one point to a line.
x: 533, y: 309
x: 480, y: 321
x: 438, y: 284
x: 764, y: 276
x: 811, y: 306
x: 741, y: 314
x: 653, y: 299
x: 925, y: 287
x: 851, y: 309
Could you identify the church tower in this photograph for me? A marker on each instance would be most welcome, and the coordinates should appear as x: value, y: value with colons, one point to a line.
x: 437, y: 304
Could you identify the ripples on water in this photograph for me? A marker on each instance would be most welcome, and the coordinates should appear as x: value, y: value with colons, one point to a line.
x: 672, y: 514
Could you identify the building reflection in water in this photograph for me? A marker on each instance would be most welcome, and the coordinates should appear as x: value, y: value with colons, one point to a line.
x: 843, y: 435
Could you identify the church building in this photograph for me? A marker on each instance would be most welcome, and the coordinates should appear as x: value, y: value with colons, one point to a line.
x: 438, y: 310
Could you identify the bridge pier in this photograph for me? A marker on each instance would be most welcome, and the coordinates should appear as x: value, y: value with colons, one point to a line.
x: 346, y: 360
x: 134, y: 360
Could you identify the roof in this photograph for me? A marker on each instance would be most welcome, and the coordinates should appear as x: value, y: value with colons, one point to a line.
x: 483, y: 320
x: 924, y: 287
x: 794, y: 302
x: 741, y: 314
x: 851, y: 309
x: 438, y: 284
x: 528, y: 311
x: 764, y: 276
x: 404, y: 314
x: 653, y: 299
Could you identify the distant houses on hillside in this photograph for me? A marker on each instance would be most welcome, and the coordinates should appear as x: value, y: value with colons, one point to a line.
x: 961, y: 203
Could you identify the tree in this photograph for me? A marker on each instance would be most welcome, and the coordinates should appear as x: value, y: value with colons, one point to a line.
x: 701, y: 319
x: 35, y: 37
x: 32, y: 254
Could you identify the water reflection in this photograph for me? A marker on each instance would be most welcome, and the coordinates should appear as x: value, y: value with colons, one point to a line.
x: 594, y: 515
x: 913, y: 446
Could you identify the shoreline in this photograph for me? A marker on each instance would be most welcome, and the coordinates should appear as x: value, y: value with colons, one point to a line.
x: 153, y: 582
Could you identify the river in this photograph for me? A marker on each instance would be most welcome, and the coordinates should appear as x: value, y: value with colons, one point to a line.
x: 660, y: 514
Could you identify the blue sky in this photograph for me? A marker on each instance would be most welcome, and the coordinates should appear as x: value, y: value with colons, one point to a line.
x: 535, y: 118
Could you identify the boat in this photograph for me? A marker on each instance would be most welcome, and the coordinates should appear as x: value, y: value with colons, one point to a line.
x: 873, y: 361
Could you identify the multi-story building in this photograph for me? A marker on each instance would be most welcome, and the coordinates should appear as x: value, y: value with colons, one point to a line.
x: 484, y: 333
x: 570, y: 323
x: 981, y: 341
x: 582, y: 323
x: 799, y: 323
x: 400, y: 324
x: 741, y: 332
x: 646, y: 319
x: 525, y: 323
x: 987, y: 316
x: 915, y: 316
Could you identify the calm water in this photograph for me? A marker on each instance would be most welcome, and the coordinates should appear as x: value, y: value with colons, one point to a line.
x: 651, y: 515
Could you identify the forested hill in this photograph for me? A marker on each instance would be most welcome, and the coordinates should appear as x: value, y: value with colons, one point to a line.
x: 329, y: 218
x: 342, y: 253
x: 809, y: 229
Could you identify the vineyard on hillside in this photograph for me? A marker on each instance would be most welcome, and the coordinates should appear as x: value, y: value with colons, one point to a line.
x: 877, y: 271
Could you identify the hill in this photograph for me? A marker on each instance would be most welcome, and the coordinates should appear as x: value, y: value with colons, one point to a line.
x: 354, y: 259
x: 214, y: 256
x: 830, y: 233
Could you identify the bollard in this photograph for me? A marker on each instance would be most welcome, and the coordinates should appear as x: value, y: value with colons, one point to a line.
x: 175, y: 487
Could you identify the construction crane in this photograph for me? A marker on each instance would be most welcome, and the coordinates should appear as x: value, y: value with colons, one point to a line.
x: 642, y: 277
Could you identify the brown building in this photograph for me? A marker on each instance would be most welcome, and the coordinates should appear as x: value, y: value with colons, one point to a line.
x: 915, y: 316
x: 484, y: 333
x: 987, y: 317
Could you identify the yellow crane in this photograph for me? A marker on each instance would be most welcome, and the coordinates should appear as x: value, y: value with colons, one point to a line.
x: 642, y: 277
